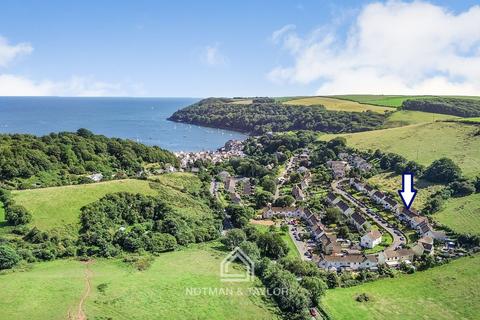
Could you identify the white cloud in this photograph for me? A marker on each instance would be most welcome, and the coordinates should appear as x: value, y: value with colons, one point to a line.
x: 10, y: 52
x: 393, y: 47
x: 19, y: 85
x: 76, y: 86
x: 212, y: 56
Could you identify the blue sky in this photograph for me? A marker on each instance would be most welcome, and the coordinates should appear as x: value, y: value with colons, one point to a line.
x: 238, y: 48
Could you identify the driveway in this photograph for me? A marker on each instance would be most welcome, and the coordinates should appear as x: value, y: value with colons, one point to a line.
x: 363, y: 208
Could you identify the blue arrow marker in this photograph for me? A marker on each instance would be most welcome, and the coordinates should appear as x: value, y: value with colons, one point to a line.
x: 407, y: 193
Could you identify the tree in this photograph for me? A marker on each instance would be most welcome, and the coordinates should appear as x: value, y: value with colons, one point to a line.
x: 316, y: 287
x: 477, y: 184
x: 268, y: 184
x: 8, y: 257
x: 251, y: 250
x: 332, y: 216
x: 272, y: 245
x: 443, y: 170
x: 332, y: 280
x: 234, y: 238
x: 17, y: 215
x: 284, y: 201
x: 461, y: 188
x: 239, y: 215
x: 262, y: 198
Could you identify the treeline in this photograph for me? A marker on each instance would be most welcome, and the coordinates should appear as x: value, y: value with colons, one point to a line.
x: 134, y: 222
x: 445, y: 105
x: 66, y: 156
x: 258, y: 118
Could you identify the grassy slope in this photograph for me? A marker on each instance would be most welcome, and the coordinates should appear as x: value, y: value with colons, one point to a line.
x: 60, y: 206
x: 424, y: 143
x: 446, y: 292
x: 337, y: 104
x: 407, y: 117
x: 461, y: 214
x: 50, y: 290
x: 392, y: 183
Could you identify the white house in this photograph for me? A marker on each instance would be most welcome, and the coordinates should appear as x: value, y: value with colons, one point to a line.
x: 394, y: 257
x: 96, y: 177
x: 371, y: 239
x: 286, y: 212
x: 351, y: 261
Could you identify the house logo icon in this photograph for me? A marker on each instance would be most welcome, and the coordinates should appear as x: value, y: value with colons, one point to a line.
x: 226, y: 267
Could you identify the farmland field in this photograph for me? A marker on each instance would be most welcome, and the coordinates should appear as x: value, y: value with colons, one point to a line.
x: 52, y: 290
x: 461, y: 214
x: 424, y: 143
x: 338, y: 104
x: 60, y: 206
x: 407, y: 117
x: 388, y: 100
x: 392, y: 182
x: 447, y: 292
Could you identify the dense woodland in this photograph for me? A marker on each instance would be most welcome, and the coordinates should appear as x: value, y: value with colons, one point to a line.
x: 259, y: 118
x: 66, y: 157
x: 453, y: 106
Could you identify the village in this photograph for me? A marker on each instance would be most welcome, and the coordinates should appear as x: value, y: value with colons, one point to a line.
x: 386, y: 233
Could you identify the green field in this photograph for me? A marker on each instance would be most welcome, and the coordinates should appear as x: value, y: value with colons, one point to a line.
x: 461, y: 214
x: 424, y: 143
x: 337, y: 104
x: 60, y: 206
x: 52, y: 290
x: 392, y: 183
x: 407, y: 117
x: 474, y: 120
x: 446, y: 292
x: 379, y: 100
x: 388, y: 100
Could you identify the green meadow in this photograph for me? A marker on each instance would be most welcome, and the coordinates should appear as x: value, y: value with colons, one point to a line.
x: 461, y: 214
x: 60, y: 206
x: 379, y: 100
x: 406, y: 117
x: 53, y: 290
x: 450, y: 291
x: 424, y: 143
x: 338, y: 104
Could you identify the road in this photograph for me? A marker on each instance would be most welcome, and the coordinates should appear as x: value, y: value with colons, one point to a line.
x: 301, y: 246
x: 363, y: 208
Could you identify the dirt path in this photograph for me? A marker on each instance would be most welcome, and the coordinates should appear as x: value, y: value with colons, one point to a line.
x: 80, y: 314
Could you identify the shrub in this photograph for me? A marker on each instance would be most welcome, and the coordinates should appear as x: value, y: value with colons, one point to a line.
x: 8, y: 257
x: 362, y: 297
x: 17, y: 215
x: 443, y: 170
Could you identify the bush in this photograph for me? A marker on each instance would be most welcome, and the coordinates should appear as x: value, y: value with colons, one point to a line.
x: 234, y: 238
x: 443, y: 170
x: 8, y: 257
x: 363, y: 297
x: 461, y: 188
x: 17, y: 215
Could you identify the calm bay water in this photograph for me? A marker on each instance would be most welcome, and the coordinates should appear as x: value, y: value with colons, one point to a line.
x: 140, y: 119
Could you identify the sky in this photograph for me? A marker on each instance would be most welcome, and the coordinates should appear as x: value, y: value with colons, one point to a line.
x: 238, y: 48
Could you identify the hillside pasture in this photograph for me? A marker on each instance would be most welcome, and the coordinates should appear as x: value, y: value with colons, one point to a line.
x: 462, y: 215
x: 406, y: 117
x: 52, y: 290
x: 424, y: 143
x: 60, y: 206
x: 395, y: 101
x: 446, y: 292
x: 337, y: 104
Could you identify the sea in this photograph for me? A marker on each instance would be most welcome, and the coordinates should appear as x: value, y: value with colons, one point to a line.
x: 139, y: 119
